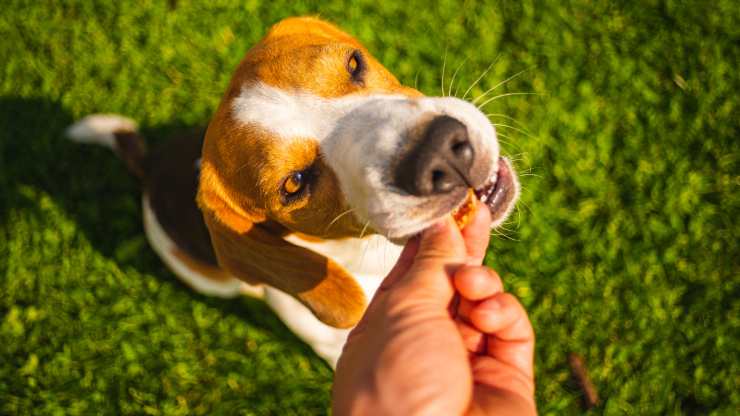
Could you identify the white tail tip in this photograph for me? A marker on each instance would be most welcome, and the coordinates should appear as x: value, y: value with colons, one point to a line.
x: 99, y: 129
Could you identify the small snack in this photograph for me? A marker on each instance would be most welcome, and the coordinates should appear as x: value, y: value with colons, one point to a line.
x: 465, y: 212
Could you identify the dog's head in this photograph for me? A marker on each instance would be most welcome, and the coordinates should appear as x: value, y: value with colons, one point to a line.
x: 315, y: 137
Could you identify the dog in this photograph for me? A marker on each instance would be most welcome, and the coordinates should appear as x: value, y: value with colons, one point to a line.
x: 317, y: 165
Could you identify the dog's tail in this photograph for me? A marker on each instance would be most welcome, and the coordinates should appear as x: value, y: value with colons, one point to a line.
x: 116, y: 132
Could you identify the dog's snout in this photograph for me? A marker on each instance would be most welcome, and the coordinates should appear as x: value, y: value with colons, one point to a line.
x: 439, y: 162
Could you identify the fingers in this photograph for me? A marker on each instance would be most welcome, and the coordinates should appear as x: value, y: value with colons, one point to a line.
x: 511, y: 338
x: 474, y: 283
x: 477, y: 282
x: 473, y: 339
x: 499, y: 318
x: 477, y: 234
x: 498, y: 336
x: 503, y: 315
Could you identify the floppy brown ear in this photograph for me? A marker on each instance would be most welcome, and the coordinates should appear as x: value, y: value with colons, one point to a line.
x: 256, y: 253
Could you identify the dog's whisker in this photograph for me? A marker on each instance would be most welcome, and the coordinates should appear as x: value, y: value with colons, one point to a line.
x: 518, y: 217
x: 517, y: 157
x: 509, y: 140
x: 503, y: 225
x: 512, y: 119
x: 500, y: 84
x: 518, y: 222
x: 454, y: 74
x: 366, y: 246
x: 530, y: 171
x: 502, y: 235
x: 444, y: 64
x: 510, y: 221
x: 506, y: 142
x: 513, y: 223
x: 483, y: 74
x: 508, y: 236
x: 362, y: 233
x: 508, y: 94
x: 326, y: 230
x: 416, y: 79
x: 505, y: 136
x: 524, y: 132
x: 524, y: 204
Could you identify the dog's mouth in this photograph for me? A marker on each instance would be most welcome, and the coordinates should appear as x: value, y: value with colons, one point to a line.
x: 499, y: 191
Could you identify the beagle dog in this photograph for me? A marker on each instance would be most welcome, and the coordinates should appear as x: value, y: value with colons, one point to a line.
x: 314, y: 169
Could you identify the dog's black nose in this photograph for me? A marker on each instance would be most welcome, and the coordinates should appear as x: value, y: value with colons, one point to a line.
x: 439, y: 162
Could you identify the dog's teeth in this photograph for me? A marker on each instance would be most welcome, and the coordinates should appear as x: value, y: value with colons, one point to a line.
x: 485, y: 191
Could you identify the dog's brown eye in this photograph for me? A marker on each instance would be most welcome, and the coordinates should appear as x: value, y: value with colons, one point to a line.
x: 356, y: 66
x: 296, y: 186
x: 352, y: 65
x: 293, y: 183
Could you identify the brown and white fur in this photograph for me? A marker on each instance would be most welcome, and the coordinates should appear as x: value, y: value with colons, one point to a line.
x: 307, y: 105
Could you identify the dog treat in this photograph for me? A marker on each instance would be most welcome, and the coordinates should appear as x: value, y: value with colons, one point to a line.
x: 465, y: 212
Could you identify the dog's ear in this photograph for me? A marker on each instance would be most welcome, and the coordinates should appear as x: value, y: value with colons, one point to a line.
x: 255, y: 252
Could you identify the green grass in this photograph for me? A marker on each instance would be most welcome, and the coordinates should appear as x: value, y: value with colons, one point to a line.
x: 624, y: 248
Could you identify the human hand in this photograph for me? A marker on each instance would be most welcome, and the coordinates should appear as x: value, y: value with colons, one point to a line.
x: 440, y: 336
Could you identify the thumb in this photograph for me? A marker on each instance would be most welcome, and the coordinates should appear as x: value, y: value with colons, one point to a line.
x: 440, y: 244
x: 441, y: 251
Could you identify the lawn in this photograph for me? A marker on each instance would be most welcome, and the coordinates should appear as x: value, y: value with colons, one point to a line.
x: 624, y: 248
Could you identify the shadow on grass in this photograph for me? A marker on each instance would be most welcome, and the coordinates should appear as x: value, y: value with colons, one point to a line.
x: 94, y: 189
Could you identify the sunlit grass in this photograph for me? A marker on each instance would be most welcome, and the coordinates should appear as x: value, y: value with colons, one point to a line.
x: 623, y: 248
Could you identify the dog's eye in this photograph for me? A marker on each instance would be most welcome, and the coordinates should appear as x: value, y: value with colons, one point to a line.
x: 294, y: 183
x: 356, y: 66
x: 294, y: 186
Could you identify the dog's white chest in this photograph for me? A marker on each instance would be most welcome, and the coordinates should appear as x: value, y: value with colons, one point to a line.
x: 368, y: 260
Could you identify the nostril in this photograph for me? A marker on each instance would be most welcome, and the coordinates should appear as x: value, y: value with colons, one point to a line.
x: 437, y: 175
x: 462, y: 150
x: 441, y: 181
